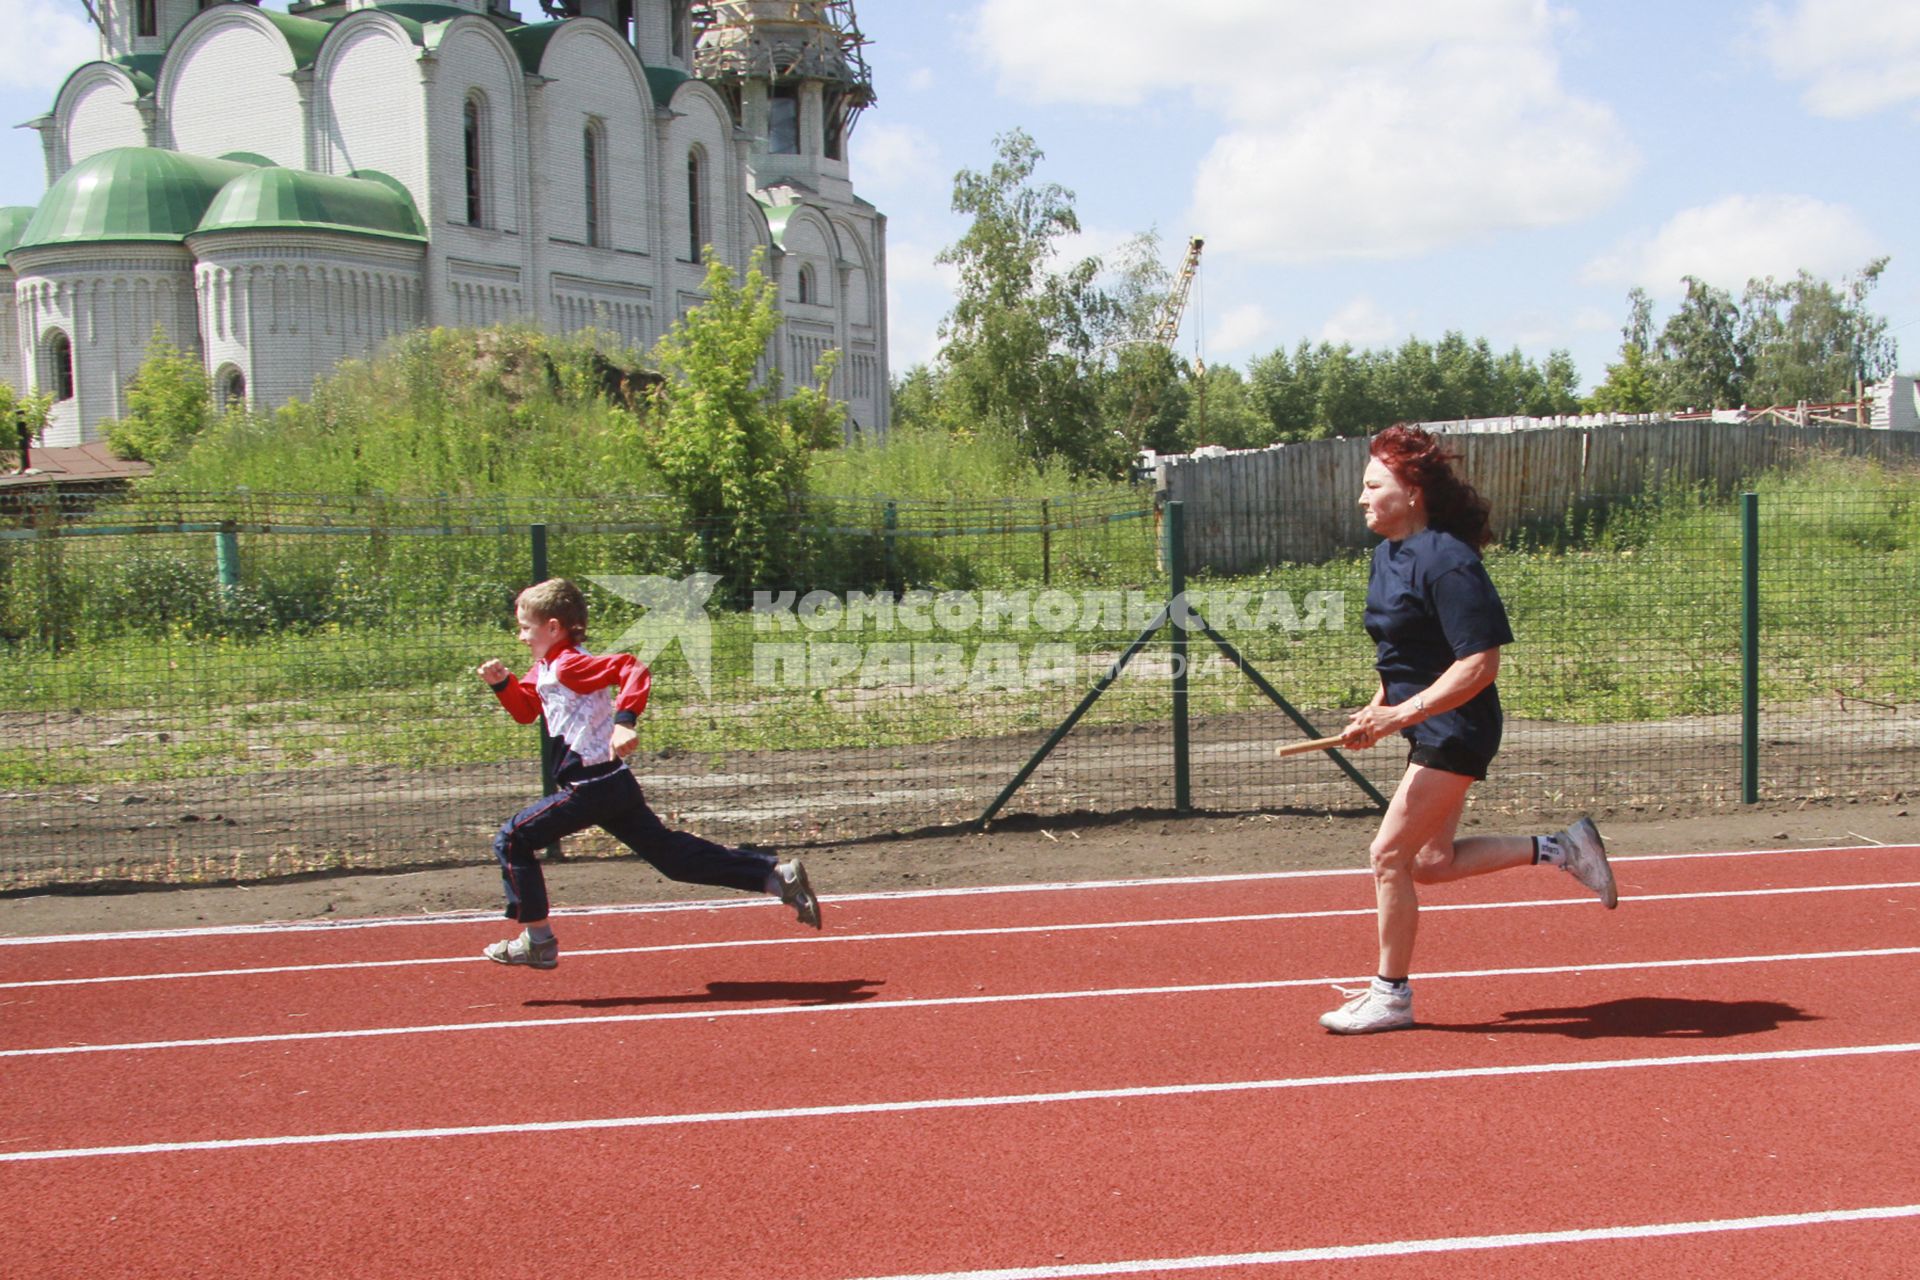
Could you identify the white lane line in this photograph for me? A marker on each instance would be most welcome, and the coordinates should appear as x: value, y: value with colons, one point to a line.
x: 889, y: 895
x: 917, y: 935
x: 963, y: 1103
x: 1445, y: 1244
x: 929, y: 1002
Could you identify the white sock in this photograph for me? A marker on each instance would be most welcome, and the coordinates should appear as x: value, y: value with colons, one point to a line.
x: 776, y: 883
x: 1547, y: 851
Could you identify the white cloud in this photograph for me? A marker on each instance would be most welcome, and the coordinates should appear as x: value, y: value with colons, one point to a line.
x: 919, y: 295
x: 1737, y: 239
x: 1092, y: 242
x: 1379, y: 130
x: 1851, y: 57
x: 46, y: 40
x: 1245, y: 328
x: 1361, y: 322
x: 919, y: 80
x: 889, y: 159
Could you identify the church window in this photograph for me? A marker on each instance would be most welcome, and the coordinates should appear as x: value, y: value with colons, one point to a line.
x: 807, y: 293
x: 147, y: 17
x: 783, y: 120
x: 60, y: 365
x: 696, y: 207
x: 593, y: 170
x: 474, y: 137
x: 678, y: 20
x: 232, y: 385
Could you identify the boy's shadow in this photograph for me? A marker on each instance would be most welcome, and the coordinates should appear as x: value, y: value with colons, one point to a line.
x: 843, y: 991
x: 1643, y: 1017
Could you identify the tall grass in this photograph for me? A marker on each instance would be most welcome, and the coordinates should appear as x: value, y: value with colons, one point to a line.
x: 463, y: 413
x: 929, y: 464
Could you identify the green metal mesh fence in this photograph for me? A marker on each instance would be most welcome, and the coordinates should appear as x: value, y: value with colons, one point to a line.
x: 207, y: 689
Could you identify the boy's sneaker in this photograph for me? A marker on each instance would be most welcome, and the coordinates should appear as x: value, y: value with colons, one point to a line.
x: 797, y: 893
x: 523, y: 950
x: 1373, y: 1008
x: 1586, y: 856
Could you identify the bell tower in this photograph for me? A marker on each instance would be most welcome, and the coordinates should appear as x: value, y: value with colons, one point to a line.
x: 798, y: 80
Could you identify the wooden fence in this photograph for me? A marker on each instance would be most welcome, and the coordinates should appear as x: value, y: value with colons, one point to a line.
x: 1248, y: 511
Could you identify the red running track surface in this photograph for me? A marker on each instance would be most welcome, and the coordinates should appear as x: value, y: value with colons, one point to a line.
x: 1021, y: 1083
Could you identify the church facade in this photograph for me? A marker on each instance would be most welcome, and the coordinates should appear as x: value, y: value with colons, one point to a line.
x: 279, y: 191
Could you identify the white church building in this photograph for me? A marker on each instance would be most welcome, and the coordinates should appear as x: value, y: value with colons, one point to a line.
x: 279, y: 191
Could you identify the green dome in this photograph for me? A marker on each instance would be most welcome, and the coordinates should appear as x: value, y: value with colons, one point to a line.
x: 13, y: 220
x: 299, y: 200
x: 129, y: 193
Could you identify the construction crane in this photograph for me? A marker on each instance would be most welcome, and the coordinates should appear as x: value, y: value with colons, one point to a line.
x: 1166, y: 329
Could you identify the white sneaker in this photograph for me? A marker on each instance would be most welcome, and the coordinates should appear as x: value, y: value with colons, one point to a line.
x: 1370, y: 1009
x: 1586, y: 861
x: 523, y: 950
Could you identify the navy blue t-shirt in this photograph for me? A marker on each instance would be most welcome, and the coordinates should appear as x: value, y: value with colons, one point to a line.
x: 1430, y: 602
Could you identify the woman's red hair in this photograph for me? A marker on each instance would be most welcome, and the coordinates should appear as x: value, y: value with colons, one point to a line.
x: 1420, y: 461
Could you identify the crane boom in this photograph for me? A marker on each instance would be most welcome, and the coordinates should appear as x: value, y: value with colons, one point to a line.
x: 1166, y: 330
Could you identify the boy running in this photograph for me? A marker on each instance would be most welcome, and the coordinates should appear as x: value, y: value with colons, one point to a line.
x: 569, y: 686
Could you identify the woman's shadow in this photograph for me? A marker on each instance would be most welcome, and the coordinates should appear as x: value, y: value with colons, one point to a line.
x: 842, y: 991
x: 1643, y: 1017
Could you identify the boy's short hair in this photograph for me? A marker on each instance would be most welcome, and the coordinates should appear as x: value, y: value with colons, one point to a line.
x: 560, y: 600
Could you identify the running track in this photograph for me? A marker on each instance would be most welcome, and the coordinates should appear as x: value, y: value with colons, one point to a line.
x: 1125, y: 1079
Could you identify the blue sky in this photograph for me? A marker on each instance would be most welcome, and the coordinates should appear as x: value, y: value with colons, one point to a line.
x: 1367, y: 172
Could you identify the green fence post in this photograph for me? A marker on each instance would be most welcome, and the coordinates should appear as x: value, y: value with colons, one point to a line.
x: 1046, y: 543
x: 890, y: 569
x: 226, y: 556
x: 549, y: 745
x: 1181, y: 618
x: 1749, y: 648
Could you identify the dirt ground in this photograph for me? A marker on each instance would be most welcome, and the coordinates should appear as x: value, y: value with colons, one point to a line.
x: 1025, y: 851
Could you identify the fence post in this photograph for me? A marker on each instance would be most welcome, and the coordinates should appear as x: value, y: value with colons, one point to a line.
x: 1046, y: 543
x: 549, y: 745
x: 226, y: 556
x: 890, y: 521
x: 1180, y: 617
x: 1749, y: 648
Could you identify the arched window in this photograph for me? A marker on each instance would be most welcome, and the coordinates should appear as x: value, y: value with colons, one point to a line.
x: 60, y: 365
x: 696, y: 207
x: 231, y: 388
x: 678, y: 22
x: 474, y: 137
x: 593, y: 170
x: 807, y: 293
x: 783, y: 120
x: 147, y: 17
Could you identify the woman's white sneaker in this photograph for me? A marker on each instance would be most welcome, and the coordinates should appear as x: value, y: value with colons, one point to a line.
x: 1375, y: 1007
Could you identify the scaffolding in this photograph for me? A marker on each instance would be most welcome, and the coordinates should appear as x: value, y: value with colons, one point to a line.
x: 780, y: 40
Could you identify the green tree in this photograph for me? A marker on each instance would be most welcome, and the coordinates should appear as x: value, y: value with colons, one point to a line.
x: 917, y: 397
x: 1632, y: 385
x: 1223, y: 409
x: 1812, y: 341
x: 1022, y: 341
x: 728, y: 448
x: 17, y: 409
x: 1702, y: 352
x: 1283, y: 389
x: 169, y: 403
